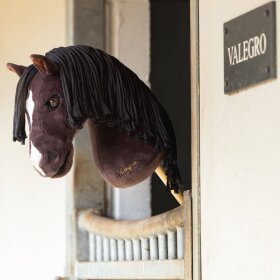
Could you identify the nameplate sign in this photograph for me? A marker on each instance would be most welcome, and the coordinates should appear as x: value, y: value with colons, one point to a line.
x: 250, y: 48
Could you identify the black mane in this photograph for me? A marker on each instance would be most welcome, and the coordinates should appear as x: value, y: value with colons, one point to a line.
x: 19, y: 133
x: 97, y: 86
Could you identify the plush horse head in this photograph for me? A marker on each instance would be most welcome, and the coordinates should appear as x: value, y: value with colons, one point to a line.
x: 130, y: 131
x: 51, y: 136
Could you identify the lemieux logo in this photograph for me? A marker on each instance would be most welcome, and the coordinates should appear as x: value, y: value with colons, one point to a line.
x: 128, y: 169
x: 247, y: 49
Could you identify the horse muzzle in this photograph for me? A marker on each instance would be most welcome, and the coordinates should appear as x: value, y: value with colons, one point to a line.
x: 51, y: 163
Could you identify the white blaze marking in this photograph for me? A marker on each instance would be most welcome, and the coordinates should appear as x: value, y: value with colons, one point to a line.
x: 34, y: 153
x: 30, y: 107
x: 36, y: 157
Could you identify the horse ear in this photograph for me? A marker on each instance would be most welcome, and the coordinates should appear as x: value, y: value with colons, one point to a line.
x: 44, y: 65
x: 18, y: 69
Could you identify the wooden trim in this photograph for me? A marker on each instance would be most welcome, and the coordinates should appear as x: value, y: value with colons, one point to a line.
x: 195, y: 131
x: 188, y: 236
x: 84, y: 186
x: 167, y: 269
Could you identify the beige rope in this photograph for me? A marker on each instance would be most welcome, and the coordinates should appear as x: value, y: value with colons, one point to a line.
x: 121, y: 229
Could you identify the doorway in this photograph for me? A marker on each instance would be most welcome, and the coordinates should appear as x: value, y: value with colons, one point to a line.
x: 170, y: 82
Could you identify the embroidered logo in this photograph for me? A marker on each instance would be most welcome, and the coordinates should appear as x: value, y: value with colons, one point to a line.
x: 122, y: 171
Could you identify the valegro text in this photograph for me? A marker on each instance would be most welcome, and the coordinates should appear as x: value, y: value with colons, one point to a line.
x: 247, y: 49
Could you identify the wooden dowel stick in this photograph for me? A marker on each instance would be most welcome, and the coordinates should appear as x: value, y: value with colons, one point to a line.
x: 161, y: 174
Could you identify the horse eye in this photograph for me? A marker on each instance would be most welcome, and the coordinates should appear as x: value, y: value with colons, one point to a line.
x: 53, y: 102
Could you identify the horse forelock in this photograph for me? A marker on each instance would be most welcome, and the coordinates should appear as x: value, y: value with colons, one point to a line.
x: 19, y: 133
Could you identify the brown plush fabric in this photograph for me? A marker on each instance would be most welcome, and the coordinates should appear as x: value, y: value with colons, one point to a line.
x: 50, y: 132
x: 122, y: 159
x: 84, y: 83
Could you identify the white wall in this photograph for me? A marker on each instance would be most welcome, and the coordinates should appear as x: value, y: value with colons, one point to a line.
x: 240, y: 160
x: 31, y: 208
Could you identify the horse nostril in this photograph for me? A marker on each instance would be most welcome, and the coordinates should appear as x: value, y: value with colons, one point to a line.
x: 52, y: 155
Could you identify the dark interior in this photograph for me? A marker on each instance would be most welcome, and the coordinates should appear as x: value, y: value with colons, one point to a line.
x: 170, y: 82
